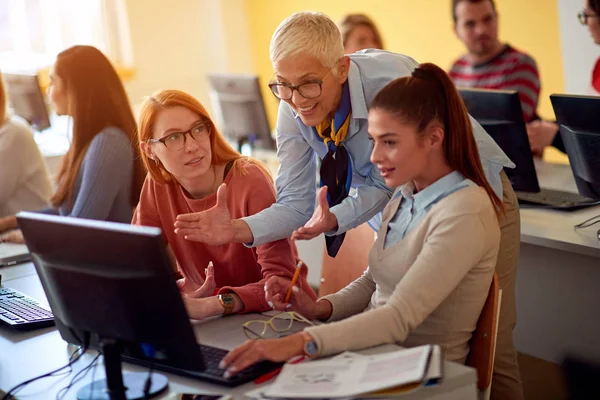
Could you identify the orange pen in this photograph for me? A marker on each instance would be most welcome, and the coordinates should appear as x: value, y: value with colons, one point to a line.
x: 288, y: 296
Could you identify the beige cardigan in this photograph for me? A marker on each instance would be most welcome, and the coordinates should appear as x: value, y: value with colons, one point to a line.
x: 428, y: 288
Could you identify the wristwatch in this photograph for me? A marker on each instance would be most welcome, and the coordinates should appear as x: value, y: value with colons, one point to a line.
x: 311, y: 348
x: 228, y: 303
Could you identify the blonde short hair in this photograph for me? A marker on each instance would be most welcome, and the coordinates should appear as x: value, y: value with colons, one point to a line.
x: 310, y: 33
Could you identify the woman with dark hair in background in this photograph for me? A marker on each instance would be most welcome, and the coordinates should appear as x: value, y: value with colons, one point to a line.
x: 430, y: 269
x: 359, y: 32
x: 101, y: 175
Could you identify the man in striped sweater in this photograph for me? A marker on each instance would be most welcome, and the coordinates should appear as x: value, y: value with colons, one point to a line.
x: 491, y: 64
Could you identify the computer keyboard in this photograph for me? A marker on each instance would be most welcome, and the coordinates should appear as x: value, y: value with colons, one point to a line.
x: 22, y: 312
x: 556, y: 199
x: 212, y: 356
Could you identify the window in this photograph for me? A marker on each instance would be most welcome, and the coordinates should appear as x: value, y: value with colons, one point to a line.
x: 33, y: 32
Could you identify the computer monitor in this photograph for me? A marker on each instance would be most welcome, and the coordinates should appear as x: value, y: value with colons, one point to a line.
x: 499, y: 113
x: 240, y: 110
x: 27, y: 100
x: 579, y: 121
x: 111, y: 285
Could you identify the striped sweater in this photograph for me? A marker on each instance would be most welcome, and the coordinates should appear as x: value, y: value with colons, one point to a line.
x: 509, y: 70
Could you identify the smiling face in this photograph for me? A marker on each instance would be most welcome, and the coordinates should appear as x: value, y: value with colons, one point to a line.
x: 401, y: 154
x: 302, y: 69
x: 192, y: 164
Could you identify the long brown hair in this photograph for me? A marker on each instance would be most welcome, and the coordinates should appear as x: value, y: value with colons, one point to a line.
x: 429, y: 95
x: 221, y: 151
x: 352, y: 21
x: 97, y: 100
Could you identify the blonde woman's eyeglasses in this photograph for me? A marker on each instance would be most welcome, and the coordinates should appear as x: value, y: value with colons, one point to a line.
x: 277, y: 326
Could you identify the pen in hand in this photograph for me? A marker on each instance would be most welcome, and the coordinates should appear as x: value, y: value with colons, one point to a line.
x: 288, y: 296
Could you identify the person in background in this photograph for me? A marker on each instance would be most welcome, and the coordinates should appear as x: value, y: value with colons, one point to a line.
x: 546, y: 133
x: 489, y: 63
x: 187, y: 160
x: 359, y: 32
x: 101, y: 175
x: 319, y: 84
x: 430, y: 269
x: 24, y: 182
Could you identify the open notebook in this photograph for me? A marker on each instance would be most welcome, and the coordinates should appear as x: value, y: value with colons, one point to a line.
x: 11, y: 254
x: 352, y: 374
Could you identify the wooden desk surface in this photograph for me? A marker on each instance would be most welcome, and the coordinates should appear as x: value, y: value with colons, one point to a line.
x: 554, y: 229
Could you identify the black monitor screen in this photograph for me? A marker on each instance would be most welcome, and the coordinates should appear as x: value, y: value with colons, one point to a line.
x: 499, y: 113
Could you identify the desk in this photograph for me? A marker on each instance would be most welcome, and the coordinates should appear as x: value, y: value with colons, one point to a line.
x: 37, y: 352
x: 558, y: 277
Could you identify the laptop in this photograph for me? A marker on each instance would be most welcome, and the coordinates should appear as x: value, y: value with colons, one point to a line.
x: 111, y: 284
x: 12, y: 253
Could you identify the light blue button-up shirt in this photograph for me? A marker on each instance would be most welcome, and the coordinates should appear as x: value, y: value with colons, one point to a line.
x: 414, y: 207
x: 298, y: 149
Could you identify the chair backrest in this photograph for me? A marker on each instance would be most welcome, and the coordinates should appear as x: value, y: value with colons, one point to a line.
x: 483, y: 343
x: 350, y: 262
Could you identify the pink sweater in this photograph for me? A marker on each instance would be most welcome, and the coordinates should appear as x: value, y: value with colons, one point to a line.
x: 238, y: 268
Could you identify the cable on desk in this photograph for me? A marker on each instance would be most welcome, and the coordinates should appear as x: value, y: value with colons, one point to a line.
x: 78, y: 377
x: 10, y: 394
x: 588, y: 222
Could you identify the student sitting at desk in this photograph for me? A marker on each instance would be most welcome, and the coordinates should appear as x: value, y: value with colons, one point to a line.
x: 320, y: 85
x: 430, y: 269
x: 101, y: 174
x: 24, y: 182
x: 188, y: 160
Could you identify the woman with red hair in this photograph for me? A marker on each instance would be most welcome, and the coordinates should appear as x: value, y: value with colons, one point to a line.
x: 191, y: 167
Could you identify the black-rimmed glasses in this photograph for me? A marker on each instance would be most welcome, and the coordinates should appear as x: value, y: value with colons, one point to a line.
x: 176, y: 140
x: 308, y: 90
x: 583, y: 17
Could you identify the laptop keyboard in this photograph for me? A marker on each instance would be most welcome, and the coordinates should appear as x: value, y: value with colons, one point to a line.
x: 212, y: 356
x: 556, y: 199
x: 23, y: 312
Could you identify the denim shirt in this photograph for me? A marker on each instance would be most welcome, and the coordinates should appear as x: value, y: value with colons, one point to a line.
x: 298, y: 149
x: 414, y: 207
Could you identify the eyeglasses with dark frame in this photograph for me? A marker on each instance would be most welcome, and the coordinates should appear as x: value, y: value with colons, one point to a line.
x: 584, y: 15
x: 176, y: 140
x: 308, y: 90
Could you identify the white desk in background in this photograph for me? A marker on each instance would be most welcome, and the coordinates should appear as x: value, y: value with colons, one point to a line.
x: 29, y: 354
x: 558, y: 278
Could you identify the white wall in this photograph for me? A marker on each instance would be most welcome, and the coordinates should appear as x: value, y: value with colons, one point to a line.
x: 579, y: 53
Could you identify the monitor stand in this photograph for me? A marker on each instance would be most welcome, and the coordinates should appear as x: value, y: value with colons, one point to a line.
x: 117, y: 386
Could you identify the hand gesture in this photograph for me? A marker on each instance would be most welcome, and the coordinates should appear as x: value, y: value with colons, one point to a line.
x: 276, y: 289
x: 213, y: 226
x: 14, y: 236
x: 193, y: 290
x: 322, y: 220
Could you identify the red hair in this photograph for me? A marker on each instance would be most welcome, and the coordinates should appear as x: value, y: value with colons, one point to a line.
x: 429, y: 95
x: 221, y: 151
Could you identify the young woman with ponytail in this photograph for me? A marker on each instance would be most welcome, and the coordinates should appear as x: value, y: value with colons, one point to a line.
x: 431, y: 266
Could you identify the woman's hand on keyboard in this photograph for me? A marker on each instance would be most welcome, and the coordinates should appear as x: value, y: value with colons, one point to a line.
x: 14, y: 236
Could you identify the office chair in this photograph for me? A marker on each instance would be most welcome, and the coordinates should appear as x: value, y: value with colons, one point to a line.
x: 483, y: 343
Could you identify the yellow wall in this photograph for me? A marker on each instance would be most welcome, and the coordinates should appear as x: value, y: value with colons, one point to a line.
x: 423, y: 30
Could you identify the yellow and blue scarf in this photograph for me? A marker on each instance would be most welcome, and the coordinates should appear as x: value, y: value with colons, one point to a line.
x: 336, y: 167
